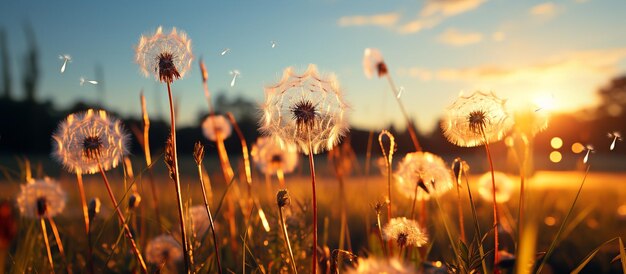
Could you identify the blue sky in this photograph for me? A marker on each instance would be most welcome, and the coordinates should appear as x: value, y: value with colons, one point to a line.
x: 521, y: 50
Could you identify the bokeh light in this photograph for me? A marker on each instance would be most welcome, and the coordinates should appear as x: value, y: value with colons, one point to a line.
x: 577, y: 147
x: 549, y: 221
x: 556, y: 143
x: 556, y: 157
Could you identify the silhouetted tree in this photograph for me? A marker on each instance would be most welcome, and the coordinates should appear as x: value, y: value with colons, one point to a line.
x: 31, y: 65
x: 6, y: 65
x: 613, y: 98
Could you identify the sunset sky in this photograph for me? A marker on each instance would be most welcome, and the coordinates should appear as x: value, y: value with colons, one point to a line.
x: 521, y: 50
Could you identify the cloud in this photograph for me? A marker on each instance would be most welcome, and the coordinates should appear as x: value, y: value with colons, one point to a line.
x: 454, y: 37
x: 498, y: 36
x: 449, y: 8
x: 545, y: 10
x: 432, y: 14
x: 383, y: 20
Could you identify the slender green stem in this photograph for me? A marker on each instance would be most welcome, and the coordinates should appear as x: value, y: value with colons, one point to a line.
x: 183, y: 231
x: 561, y: 228
x: 129, y: 235
x: 476, y: 226
x: 286, y: 236
x: 208, y: 211
x: 496, y: 257
x: 445, y: 225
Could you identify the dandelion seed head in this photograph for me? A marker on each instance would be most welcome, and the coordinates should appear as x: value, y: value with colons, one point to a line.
x: 85, y: 138
x: 199, y: 220
x: 405, y: 232
x: 381, y: 265
x: 473, y: 120
x: 425, y: 168
x: 373, y: 62
x: 270, y: 157
x: 167, y: 56
x: 529, y: 121
x: 41, y: 198
x: 303, y: 106
x: 216, y: 126
x: 504, y: 187
x: 163, y: 249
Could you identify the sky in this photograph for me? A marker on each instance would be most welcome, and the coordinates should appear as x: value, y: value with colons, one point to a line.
x: 435, y: 50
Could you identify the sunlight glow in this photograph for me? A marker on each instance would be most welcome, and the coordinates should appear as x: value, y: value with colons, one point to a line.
x: 556, y: 143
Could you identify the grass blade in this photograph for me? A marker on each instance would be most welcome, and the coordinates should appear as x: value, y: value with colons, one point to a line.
x: 590, y: 256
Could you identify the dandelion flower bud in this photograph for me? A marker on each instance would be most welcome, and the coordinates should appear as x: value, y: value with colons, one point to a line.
x: 169, y: 158
x: 134, y: 200
x: 198, y: 152
x: 282, y: 198
x: 93, y: 208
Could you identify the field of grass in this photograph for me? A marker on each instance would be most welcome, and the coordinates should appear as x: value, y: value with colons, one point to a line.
x: 600, y: 215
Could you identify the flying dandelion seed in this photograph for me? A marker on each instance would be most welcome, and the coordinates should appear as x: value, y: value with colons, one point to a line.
x: 66, y: 59
x: 616, y: 136
x: 423, y: 168
x: 41, y: 198
x: 400, y: 90
x: 273, y: 44
x: 235, y: 73
x: 83, y: 81
x: 589, y: 149
x: 303, y: 107
x: 88, y: 138
x: 224, y: 51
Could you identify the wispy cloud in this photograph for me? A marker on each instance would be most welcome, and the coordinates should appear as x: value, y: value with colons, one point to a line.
x: 574, y: 75
x: 457, y: 38
x: 449, y: 7
x: 545, y: 10
x: 432, y: 14
x: 382, y: 20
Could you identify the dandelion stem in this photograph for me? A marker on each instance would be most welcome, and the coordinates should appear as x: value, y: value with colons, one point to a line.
x: 286, y: 236
x: 495, y: 204
x: 177, y: 179
x: 45, y: 239
x: 148, y: 157
x: 380, y: 234
x: 460, y: 208
x: 388, y: 160
x: 55, y: 232
x: 312, y: 167
x: 476, y: 225
x: 409, y: 124
x: 129, y: 235
x: 522, y: 189
x: 208, y: 211
x: 83, y: 200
